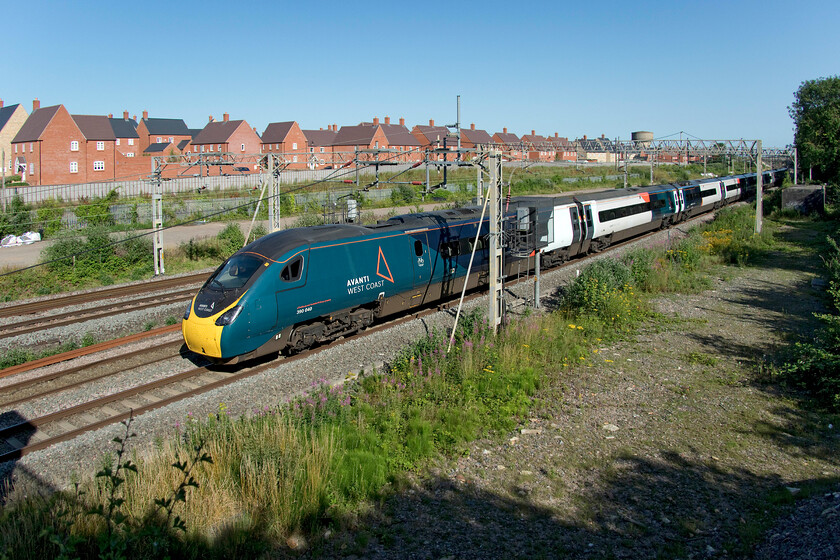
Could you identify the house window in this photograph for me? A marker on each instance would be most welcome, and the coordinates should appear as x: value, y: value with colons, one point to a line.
x: 202, y: 148
x: 31, y: 168
x: 171, y: 138
x: 294, y: 145
x: 376, y: 144
x: 74, y: 167
x: 15, y: 148
x: 131, y: 141
x: 294, y: 159
x: 159, y: 139
x: 118, y: 142
x: 99, y: 166
x: 311, y: 150
x: 30, y: 147
x: 129, y: 154
x: 242, y: 147
x: 322, y: 149
x: 100, y: 146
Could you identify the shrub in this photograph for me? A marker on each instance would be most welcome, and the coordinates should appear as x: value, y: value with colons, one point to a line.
x: 96, y: 212
x: 17, y: 219
x: 49, y: 215
x: 403, y: 194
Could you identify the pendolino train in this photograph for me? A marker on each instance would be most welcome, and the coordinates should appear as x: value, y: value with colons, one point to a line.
x: 297, y: 288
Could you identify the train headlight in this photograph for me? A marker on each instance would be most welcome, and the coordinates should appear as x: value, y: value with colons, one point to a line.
x: 188, y: 311
x: 229, y: 316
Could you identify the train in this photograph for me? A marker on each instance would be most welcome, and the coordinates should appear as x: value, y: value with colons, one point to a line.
x: 297, y: 288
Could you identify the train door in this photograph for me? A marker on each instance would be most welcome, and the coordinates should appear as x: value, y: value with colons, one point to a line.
x: 421, y: 259
x: 586, y: 227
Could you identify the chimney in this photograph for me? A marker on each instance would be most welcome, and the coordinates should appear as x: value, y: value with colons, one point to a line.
x: 555, y: 135
x: 584, y: 136
x: 134, y: 117
x: 110, y: 115
x: 375, y: 121
x: 210, y: 119
x: 533, y: 133
x: 255, y: 131
x: 125, y: 115
x: 602, y: 136
x: 225, y: 117
x: 504, y: 130
x: 35, y: 104
x: 472, y: 126
x: 431, y: 122
x: 402, y: 119
x: 145, y: 115
x: 387, y: 119
x: 1, y: 103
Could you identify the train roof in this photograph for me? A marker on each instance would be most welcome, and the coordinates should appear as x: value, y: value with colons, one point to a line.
x: 275, y: 245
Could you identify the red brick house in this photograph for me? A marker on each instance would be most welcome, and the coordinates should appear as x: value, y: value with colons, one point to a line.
x: 156, y: 131
x: 288, y: 139
x: 127, y: 140
x: 319, y: 145
x: 538, y: 147
x: 372, y: 136
x: 235, y: 137
x: 430, y: 136
x: 49, y: 147
x: 564, y: 150
x: 475, y: 138
x: 510, y: 145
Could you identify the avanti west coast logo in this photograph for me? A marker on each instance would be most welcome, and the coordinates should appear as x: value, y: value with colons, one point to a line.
x: 359, y: 284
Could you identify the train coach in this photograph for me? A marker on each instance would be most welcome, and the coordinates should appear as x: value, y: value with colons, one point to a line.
x: 294, y: 289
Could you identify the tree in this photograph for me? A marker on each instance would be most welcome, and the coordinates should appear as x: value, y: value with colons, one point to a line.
x: 816, y: 114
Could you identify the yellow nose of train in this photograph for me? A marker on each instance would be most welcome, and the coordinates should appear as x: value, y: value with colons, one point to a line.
x: 202, y: 335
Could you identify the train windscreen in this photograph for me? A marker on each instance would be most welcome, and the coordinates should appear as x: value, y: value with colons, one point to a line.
x: 227, y: 284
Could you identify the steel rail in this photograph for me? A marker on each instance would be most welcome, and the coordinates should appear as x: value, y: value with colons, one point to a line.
x: 92, y: 349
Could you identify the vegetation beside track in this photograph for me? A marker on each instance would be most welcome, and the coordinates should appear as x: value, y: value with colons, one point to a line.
x: 244, y: 486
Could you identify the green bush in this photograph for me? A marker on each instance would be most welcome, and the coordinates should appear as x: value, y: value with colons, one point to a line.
x: 17, y: 219
x: 403, y: 194
x: 96, y: 212
x: 49, y: 214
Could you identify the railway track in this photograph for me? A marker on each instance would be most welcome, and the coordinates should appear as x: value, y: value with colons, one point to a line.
x: 99, y: 312
x: 58, y: 301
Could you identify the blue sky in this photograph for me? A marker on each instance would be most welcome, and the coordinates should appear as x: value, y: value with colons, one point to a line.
x: 710, y: 69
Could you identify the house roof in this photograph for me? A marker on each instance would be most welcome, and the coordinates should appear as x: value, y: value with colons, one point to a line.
x: 277, y: 132
x: 156, y: 148
x: 507, y: 138
x: 167, y: 126
x: 95, y: 127
x: 183, y: 144
x: 34, y: 126
x: 216, y: 132
x: 476, y: 136
x: 433, y: 133
x: 319, y: 137
x: 399, y: 135
x: 6, y: 114
x: 354, y: 135
x: 595, y: 144
x: 124, y: 128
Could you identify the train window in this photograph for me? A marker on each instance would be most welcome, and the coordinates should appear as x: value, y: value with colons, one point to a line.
x: 465, y: 246
x: 292, y: 271
x: 418, y: 248
x: 708, y: 192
